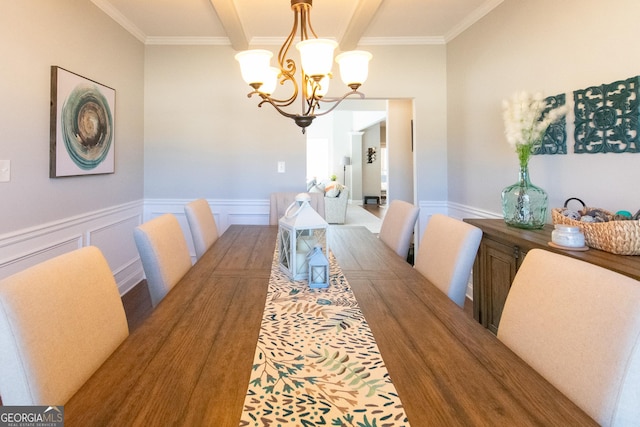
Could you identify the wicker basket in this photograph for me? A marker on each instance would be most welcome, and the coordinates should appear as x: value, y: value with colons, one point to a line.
x: 618, y: 237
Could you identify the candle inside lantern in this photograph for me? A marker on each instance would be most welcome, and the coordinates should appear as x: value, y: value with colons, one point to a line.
x: 306, y: 243
x: 301, y: 262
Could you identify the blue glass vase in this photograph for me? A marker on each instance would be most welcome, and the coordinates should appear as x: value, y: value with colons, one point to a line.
x: 524, y: 205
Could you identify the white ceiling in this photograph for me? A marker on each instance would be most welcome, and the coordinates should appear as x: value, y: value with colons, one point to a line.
x: 243, y: 23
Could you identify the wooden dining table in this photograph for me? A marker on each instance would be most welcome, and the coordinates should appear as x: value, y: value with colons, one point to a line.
x: 189, y: 363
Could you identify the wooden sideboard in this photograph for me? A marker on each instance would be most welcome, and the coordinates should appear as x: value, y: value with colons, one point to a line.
x: 501, y: 253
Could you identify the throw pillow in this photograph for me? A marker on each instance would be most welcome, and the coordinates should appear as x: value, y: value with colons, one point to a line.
x: 332, y: 189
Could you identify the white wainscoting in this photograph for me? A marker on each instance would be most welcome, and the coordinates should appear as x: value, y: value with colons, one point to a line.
x: 111, y: 230
x: 226, y: 213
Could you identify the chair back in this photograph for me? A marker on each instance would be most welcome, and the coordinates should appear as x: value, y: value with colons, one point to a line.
x: 59, y: 321
x: 282, y: 200
x: 164, y: 254
x: 446, y: 254
x: 578, y: 325
x: 202, y: 224
x: 397, y: 226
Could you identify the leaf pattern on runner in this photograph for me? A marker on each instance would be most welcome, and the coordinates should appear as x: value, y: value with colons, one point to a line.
x: 316, y: 361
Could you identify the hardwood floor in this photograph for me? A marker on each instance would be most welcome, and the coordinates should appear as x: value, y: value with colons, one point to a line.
x: 377, y: 210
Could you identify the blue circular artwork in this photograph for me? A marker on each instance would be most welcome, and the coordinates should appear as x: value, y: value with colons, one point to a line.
x: 87, y: 126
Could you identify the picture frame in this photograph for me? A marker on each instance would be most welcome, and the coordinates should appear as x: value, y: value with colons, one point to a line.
x: 82, y: 128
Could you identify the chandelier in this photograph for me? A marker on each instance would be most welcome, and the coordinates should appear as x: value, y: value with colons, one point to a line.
x: 316, y: 58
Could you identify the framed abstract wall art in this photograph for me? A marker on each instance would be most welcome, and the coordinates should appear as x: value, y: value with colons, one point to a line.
x: 82, y: 126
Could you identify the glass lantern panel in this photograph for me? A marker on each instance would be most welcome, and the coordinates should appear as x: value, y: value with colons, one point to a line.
x: 306, y: 240
x: 284, y: 247
x: 319, y: 274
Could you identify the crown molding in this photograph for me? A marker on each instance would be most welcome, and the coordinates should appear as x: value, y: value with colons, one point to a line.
x: 214, y: 41
x: 115, y: 14
x: 471, y: 19
x: 401, y: 41
x: 129, y: 26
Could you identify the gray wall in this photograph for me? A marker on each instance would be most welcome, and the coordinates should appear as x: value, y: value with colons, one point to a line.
x: 204, y: 138
x: 185, y: 129
x: 371, y: 171
x: 77, y: 36
x: 400, y: 153
x: 41, y: 217
x: 544, y: 45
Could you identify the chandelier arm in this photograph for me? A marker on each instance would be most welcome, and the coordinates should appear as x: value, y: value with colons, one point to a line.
x: 284, y: 49
x: 311, y: 100
x: 306, y: 26
x: 310, y: 88
x: 337, y: 101
x: 274, y: 101
x: 287, y: 65
x: 280, y: 110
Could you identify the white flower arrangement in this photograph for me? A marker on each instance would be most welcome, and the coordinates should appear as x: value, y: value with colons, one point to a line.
x: 525, y: 124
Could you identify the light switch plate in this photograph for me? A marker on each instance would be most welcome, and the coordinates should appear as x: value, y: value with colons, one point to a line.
x: 280, y: 167
x: 5, y: 170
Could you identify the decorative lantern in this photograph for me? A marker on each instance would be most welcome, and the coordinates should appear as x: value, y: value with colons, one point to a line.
x: 299, y: 231
x: 318, y: 268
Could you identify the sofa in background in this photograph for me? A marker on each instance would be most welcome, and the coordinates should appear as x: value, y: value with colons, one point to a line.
x: 336, y: 199
x: 335, y: 208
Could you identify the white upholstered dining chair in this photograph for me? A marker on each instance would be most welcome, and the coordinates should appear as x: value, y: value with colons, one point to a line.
x: 164, y: 254
x: 202, y: 224
x: 446, y: 254
x: 397, y: 225
x: 59, y: 321
x: 578, y: 325
x: 279, y: 202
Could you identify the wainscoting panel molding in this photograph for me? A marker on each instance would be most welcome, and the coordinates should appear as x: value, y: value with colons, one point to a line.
x: 225, y: 212
x: 110, y: 229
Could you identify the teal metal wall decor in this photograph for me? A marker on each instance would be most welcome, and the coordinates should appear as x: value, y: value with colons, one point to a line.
x: 607, y: 118
x: 555, y: 138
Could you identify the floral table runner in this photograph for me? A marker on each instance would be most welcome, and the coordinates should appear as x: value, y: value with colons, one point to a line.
x: 316, y: 362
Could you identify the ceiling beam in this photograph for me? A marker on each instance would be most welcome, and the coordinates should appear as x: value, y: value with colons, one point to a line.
x: 228, y: 15
x: 360, y: 20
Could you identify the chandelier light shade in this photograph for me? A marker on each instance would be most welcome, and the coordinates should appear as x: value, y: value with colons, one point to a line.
x: 254, y: 66
x: 314, y: 73
x: 316, y: 56
x: 354, y: 67
x: 270, y: 81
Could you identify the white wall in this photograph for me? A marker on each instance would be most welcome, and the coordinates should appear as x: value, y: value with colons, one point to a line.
x: 544, y: 45
x: 42, y: 217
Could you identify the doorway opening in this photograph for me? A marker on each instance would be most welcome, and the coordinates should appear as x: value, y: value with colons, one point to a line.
x: 367, y: 146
